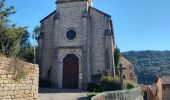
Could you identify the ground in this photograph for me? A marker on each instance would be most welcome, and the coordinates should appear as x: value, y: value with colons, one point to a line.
x: 54, y: 94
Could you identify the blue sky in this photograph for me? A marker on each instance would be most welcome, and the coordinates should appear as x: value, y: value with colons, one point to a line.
x: 138, y: 24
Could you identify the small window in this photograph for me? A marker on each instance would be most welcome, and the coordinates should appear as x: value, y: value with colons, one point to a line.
x: 71, y: 34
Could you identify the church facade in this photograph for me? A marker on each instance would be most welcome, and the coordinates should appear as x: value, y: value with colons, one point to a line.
x: 76, y: 43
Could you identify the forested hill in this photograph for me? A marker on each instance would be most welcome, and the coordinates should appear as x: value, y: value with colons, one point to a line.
x: 149, y: 64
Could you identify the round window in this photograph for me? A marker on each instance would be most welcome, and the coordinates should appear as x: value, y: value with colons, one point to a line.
x: 71, y: 34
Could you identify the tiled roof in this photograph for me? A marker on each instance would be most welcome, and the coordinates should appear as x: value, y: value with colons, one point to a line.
x: 143, y: 87
x: 165, y: 79
x: 123, y: 60
x: 153, y: 89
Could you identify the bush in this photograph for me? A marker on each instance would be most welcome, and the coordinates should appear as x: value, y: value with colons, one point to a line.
x: 130, y: 84
x: 110, y: 83
x: 107, y: 83
x: 93, y: 87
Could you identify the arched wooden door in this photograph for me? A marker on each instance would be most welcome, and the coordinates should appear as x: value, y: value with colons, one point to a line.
x: 70, y: 71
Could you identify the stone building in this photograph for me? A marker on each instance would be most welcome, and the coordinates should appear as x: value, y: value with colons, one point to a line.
x: 76, y: 43
x: 128, y: 72
x: 151, y: 92
x: 163, y: 88
x: 160, y: 90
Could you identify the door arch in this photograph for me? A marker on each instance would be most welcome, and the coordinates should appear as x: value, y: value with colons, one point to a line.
x: 70, y: 71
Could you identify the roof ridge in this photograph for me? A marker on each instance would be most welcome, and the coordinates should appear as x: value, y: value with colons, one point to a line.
x: 48, y: 16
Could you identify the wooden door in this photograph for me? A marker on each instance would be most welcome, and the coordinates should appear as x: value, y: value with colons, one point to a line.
x: 70, y: 72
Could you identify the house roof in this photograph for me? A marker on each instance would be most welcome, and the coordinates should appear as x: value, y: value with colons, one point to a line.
x: 165, y: 80
x: 143, y: 87
x: 153, y: 89
x: 124, y: 61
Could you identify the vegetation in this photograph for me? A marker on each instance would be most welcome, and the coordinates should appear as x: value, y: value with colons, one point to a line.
x: 117, y: 56
x: 130, y: 84
x: 107, y: 83
x: 90, y: 95
x: 110, y: 83
x: 18, y: 70
x: 14, y: 40
x: 149, y: 64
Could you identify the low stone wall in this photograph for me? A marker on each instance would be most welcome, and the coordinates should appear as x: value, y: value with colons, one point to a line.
x: 132, y: 94
x: 18, y: 80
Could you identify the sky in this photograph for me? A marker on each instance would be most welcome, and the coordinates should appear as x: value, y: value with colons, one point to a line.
x: 138, y: 24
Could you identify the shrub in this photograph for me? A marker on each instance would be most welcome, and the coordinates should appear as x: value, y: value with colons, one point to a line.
x: 94, y: 87
x: 18, y: 69
x: 107, y: 83
x: 110, y: 83
x: 130, y: 84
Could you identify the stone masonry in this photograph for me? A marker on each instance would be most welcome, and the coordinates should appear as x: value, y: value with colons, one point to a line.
x: 18, y: 80
x: 93, y: 44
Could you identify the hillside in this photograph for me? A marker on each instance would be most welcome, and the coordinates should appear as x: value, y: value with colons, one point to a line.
x: 149, y: 64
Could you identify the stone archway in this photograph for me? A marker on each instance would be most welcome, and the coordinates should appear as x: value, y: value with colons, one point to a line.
x: 70, y: 72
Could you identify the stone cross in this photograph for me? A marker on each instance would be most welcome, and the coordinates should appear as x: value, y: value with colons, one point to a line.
x: 121, y: 76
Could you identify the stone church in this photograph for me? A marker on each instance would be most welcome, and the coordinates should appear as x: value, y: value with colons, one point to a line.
x: 76, y: 43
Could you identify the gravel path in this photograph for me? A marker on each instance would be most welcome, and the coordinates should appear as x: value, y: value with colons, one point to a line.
x: 53, y: 94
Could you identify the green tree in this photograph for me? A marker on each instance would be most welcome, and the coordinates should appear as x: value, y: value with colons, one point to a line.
x: 36, y: 32
x: 5, y: 12
x: 13, y: 39
x: 35, y: 36
x: 117, y: 56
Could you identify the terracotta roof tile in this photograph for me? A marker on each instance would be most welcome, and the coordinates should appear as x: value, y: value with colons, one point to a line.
x: 153, y: 89
x: 143, y: 87
x: 165, y: 79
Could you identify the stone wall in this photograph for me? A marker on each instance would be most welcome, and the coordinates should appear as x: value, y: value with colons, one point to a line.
x: 100, y: 42
x: 18, y: 80
x: 166, y: 92
x: 129, y: 71
x: 131, y: 94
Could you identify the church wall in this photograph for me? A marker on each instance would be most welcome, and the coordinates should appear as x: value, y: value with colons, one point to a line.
x: 70, y: 19
x: 100, y: 23
x: 39, y: 53
x: 91, y: 45
x: 48, y: 31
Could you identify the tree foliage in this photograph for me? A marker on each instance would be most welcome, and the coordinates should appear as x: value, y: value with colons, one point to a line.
x: 117, y: 56
x: 36, y: 32
x: 14, y: 40
x: 5, y: 12
x: 149, y: 64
